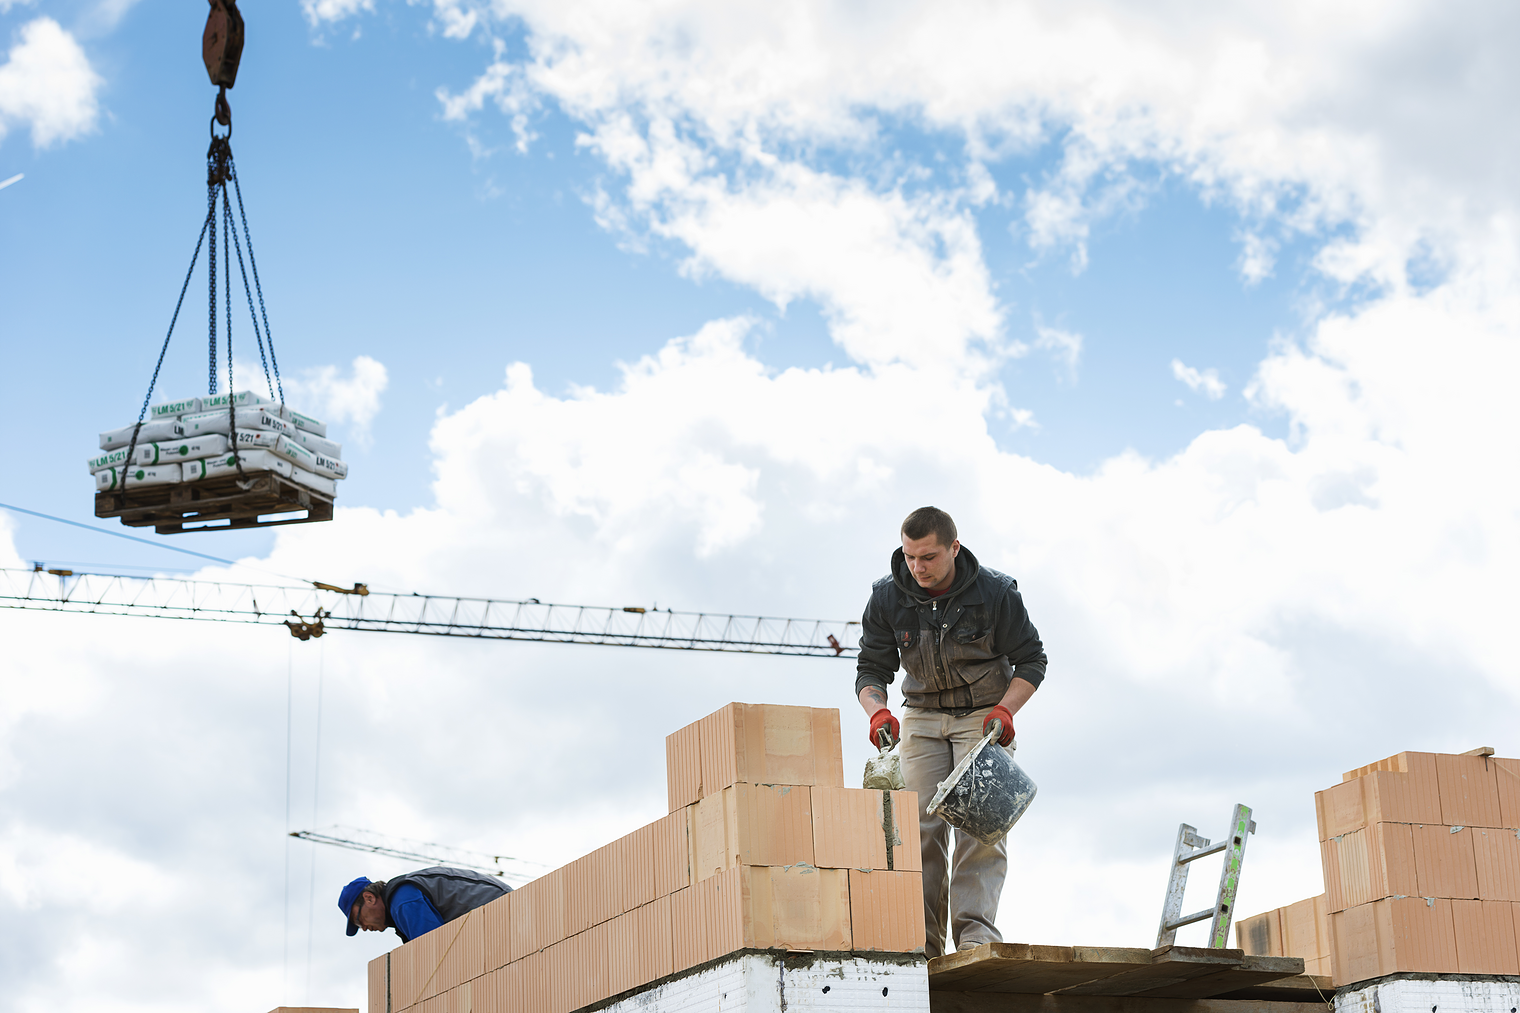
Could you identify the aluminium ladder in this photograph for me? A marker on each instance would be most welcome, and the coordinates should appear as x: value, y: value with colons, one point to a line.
x: 1190, y: 848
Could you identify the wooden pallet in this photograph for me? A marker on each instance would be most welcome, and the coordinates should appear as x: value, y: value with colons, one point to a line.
x: 1021, y: 978
x: 168, y: 508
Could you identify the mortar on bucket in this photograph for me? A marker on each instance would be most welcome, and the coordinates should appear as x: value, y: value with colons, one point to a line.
x: 986, y: 793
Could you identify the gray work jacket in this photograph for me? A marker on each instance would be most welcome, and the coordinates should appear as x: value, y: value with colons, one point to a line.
x: 960, y: 651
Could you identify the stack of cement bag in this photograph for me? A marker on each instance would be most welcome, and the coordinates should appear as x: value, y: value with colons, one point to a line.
x: 186, y: 441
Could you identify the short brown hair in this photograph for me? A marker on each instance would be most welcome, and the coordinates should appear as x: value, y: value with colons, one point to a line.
x: 928, y: 520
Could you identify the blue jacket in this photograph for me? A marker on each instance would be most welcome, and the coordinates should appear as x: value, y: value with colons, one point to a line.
x: 412, y: 913
x: 420, y: 901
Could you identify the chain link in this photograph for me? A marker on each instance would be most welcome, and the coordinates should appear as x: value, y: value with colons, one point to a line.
x: 238, y: 247
x: 219, y: 169
x: 253, y: 262
x: 148, y: 397
x: 244, y: 482
x: 211, y: 267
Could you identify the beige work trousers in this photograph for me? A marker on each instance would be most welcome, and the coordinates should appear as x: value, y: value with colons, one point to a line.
x: 965, y: 893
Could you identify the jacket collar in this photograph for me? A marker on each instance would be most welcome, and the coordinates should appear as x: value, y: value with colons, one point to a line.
x: 964, y: 589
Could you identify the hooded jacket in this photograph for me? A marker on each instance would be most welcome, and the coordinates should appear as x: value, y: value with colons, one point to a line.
x: 960, y: 651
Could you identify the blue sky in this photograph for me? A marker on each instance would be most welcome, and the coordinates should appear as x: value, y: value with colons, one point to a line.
x: 1202, y: 327
x: 380, y: 233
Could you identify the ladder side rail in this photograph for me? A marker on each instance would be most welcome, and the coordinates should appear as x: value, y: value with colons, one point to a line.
x: 1176, y: 886
x: 1241, y: 828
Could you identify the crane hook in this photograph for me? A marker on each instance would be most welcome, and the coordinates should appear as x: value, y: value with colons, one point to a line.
x: 221, y: 50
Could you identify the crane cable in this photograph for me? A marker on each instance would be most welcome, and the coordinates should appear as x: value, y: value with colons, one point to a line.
x: 156, y: 545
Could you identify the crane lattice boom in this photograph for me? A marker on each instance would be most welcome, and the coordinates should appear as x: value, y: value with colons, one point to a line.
x: 481, y: 618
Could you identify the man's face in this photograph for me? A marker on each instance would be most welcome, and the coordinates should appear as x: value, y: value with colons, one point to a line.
x: 932, y: 564
x: 369, y: 912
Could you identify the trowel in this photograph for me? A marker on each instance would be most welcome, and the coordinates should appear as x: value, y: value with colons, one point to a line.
x: 884, y: 770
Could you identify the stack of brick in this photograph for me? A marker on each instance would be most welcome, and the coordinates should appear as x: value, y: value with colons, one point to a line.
x: 1421, y: 855
x: 763, y: 849
x: 1300, y: 929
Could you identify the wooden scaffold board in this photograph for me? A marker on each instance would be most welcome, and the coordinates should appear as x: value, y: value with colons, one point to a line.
x: 1023, y: 978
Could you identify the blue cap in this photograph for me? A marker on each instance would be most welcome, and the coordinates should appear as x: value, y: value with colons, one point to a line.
x: 346, y: 900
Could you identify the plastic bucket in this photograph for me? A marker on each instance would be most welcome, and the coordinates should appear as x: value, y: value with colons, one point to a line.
x: 985, y: 794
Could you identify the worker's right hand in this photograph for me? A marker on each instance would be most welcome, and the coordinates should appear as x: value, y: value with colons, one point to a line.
x: 884, y: 719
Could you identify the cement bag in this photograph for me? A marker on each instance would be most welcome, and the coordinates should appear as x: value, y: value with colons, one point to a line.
x: 152, y: 432
x: 182, y: 450
x: 323, y: 485
x: 317, y: 444
x: 174, y: 409
x: 295, y: 453
x: 253, y: 460
x: 257, y: 439
x: 202, y: 423
x: 331, y: 466
x: 110, y: 459
x: 306, y: 423
x: 242, y: 399
x: 164, y: 474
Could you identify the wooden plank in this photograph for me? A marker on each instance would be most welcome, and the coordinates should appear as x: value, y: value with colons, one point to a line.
x: 1252, y: 970
x: 1316, y: 988
x: 1004, y: 1002
x: 1022, y: 967
x: 1171, y: 965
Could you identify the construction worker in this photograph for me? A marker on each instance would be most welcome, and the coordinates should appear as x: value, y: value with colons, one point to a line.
x: 418, y: 902
x: 970, y: 656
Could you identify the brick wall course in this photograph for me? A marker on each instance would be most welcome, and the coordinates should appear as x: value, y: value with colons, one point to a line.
x: 1496, y: 852
x: 795, y: 908
x: 1469, y: 791
x: 496, y: 928
x: 673, y: 858
x: 1444, y: 861
x: 847, y: 829
x: 633, y: 869
x: 683, y: 767
x: 886, y: 911
x: 1485, y: 937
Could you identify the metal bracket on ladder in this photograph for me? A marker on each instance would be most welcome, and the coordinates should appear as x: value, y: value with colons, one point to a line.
x: 1190, y: 848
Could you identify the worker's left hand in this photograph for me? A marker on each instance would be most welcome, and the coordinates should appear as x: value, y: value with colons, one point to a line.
x: 999, y: 713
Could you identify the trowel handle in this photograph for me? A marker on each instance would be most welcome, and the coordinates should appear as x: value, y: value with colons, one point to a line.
x: 884, y: 736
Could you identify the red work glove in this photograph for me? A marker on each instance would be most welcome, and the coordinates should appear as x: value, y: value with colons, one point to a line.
x: 884, y: 719
x: 1000, y: 713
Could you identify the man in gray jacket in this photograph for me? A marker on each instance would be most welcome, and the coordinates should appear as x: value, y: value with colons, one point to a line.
x: 970, y: 656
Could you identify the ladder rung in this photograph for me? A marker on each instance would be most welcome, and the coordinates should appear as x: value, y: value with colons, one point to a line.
x: 1190, y: 919
x: 1205, y: 853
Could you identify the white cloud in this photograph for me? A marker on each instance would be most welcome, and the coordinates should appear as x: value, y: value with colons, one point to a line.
x: 352, y: 401
x: 503, y: 84
x: 1065, y: 346
x: 1205, y: 381
x: 47, y: 84
x: 327, y: 12
x: 1257, y: 258
x: 105, y: 15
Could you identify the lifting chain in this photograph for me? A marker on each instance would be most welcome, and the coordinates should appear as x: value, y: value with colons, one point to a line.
x: 222, y: 50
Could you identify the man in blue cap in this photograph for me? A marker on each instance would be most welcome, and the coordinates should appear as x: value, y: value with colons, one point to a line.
x: 418, y: 902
